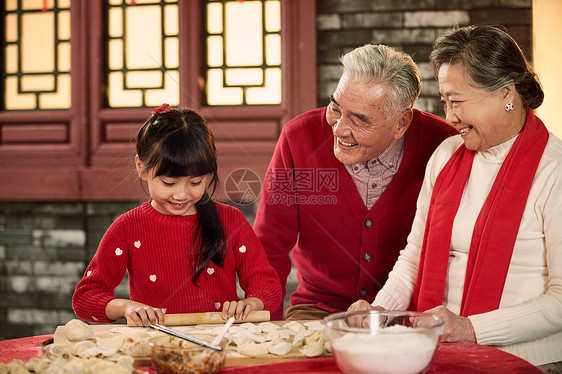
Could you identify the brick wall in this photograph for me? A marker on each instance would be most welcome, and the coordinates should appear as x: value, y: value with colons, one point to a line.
x: 45, y: 247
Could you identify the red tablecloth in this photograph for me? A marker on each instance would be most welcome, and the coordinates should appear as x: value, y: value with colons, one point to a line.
x: 455, y: 358
x: 22, y: 348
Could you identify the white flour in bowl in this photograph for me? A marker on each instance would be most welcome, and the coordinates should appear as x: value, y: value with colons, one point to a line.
x: 393, y: 350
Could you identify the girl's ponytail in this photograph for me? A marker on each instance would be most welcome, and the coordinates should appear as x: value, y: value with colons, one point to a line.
x: 211, y: 237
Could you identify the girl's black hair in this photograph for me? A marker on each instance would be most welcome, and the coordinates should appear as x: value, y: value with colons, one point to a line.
x: 179, y: 143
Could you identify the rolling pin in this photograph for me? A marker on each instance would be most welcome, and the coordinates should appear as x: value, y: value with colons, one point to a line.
x: 181, y: 319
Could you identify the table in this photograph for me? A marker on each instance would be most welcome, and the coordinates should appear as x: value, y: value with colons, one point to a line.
x: 453, y: 358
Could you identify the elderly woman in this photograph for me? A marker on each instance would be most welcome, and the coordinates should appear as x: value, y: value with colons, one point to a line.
x: 485, y: 250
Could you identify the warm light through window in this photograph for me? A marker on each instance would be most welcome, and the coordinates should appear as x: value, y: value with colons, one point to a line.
x: 37, y: 55
x: 242, y: 61
x: 143, y: 53
x: 243, y: 52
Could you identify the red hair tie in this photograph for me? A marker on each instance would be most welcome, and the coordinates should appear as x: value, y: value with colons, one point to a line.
x: 163, y: 109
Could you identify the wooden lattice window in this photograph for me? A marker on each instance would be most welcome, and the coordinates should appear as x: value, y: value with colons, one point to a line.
x: 81, y: 76
x: 31, y: 31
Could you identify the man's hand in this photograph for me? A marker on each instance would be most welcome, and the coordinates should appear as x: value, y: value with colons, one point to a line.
x: 361, y: 321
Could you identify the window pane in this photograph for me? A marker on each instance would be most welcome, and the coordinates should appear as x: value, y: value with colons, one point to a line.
x: 270, y: 92
x: 244, y: 33
x: 37, y: 59
x: 217, y: 94
x: 272, y: 19
x: 235, y: 77
x: 214, y: 51
x: 243, y: 57
x: 142, y: 53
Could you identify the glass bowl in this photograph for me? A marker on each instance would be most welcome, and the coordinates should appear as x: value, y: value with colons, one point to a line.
x: 171, y: 355
x: 389, y: 342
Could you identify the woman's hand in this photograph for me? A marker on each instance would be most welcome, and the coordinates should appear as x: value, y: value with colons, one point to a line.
x: 242, y: 308
x: 457, y: 328
x: 141, y: 314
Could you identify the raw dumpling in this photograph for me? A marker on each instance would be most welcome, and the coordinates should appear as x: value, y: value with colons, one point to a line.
x: 16, y: 366
x: 244, y: 337
x: 136, y: 346
x: 313, y: 349
x: 126, y: 362
x: 77, y: 330
x: 251, y: 327
x: 98, y: 352
x: 37, y: 365
x: 253, y: 350
x: 57, y: 351
x: 294, y: 325
x: 280, y: 349
x: 105, y: 367
x: 314, y: 325
x: 314, y: 337
x: 268, y: 327
x: 298, y: 340
x: 82, y: 346
x: 112, y: 342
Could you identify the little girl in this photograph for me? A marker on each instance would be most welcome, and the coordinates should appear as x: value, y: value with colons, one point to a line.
x: 181, y: 249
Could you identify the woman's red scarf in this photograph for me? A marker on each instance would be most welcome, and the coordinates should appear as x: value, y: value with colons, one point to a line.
x: 495, y: 230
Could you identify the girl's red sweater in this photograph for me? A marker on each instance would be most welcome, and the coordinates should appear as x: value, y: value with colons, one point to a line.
x: 155, y: 250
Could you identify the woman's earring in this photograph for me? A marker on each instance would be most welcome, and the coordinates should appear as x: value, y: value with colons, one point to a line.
x: 509, y: 107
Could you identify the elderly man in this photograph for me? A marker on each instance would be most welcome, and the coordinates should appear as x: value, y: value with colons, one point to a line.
x: 341, y: 189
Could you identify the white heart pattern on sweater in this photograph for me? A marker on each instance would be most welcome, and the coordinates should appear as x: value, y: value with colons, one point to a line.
x: 118, y: 252
x: 94, y: 318
x: 210, y: 271
x: 153, y: 277
x: 242, y: 249
x: 217, y: 305
x: 88, y: 273
x: 137, y: 244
